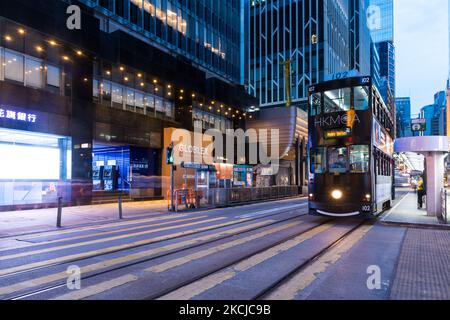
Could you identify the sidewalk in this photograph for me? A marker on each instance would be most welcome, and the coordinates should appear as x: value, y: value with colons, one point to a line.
x: 14, y: 223
x: 406, y: 213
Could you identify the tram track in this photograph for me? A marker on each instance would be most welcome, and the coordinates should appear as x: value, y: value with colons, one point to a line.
x: 212, y: 228
x: 286, y: 277
x: 55, y: 286
x: 280, y: 280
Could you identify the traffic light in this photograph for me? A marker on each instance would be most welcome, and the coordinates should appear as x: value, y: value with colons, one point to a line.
x: 169, y: 154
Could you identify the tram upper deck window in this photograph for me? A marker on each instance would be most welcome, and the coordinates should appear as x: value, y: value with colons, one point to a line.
x: 338, y: 100
x: 338, y: 160
x: 315, y: 103
x: 318, y: 160
x: 361, y: 98
x: 359, y: 159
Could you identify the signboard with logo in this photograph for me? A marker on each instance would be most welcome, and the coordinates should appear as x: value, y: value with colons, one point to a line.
x: 418, y: 125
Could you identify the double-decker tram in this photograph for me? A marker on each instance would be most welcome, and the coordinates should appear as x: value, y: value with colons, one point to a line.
x: 351, y: 134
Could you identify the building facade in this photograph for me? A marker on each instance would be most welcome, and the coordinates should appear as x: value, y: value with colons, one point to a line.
x: 403, y: 117
x: 83, y: 112
x: 381, y: 14
x: 436, y: 116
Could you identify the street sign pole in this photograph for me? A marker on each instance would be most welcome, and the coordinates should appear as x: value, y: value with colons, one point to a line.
x: 172, y: 186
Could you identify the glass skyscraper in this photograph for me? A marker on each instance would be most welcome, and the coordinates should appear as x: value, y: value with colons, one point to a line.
x: 403, y: 106
x: 381, y: 20
x: 381, y: 23
x: 318, y: 38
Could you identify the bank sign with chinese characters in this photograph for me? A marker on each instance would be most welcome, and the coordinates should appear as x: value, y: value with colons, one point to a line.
x: 18, y: 116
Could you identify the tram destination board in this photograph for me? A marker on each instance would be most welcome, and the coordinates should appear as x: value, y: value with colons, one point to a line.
x: 338, y: 133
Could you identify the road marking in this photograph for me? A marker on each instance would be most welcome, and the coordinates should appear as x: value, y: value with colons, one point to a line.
x: 30, y: 283
x: 98, y: 288
x: 306, y: 277
x: 96, y: 227
x: 201, y: 254
x: 103, y: 240
x: 91, y: 235
x: 191, y: 290
x: 296, y: 206
x: 395, y: 207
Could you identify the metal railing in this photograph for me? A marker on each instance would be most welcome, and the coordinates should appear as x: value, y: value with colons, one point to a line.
x: 223, y: 197
x: 444, y: 205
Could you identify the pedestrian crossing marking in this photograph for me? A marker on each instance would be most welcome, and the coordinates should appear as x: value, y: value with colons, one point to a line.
x: 98, y: 288
x: 201, y: 254
x: 127, y: 258
x: 99, y: 226
x: 103, y: 240
x: 290, y: 289
x: 102, y: 233
x: 209, y: 282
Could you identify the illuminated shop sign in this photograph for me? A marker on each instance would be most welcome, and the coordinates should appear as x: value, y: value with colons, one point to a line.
x: 13, y: 115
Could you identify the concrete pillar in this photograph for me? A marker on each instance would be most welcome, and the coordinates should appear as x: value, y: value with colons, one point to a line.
x: 435, y: 182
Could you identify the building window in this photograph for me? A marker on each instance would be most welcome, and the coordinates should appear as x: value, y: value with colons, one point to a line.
x: 53, y: 76
x: 13, y: 66
x: 33, y: 73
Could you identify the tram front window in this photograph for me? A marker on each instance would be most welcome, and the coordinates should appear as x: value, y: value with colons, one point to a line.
x: 359, y: 159
x: 338, y: 160
x: 337, y: 100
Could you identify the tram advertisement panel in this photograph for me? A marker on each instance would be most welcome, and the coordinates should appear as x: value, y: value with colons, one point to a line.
x: 343, y: 127
x: 381, y: 139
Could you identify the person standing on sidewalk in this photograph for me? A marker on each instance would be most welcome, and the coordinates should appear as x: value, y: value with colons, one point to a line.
x: 420, y: 193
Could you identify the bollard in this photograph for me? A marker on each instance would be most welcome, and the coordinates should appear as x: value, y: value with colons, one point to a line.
x: 59, y: 216
x: 120, y: 207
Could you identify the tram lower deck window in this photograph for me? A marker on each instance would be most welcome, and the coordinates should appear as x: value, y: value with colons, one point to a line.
x: 318, y: 160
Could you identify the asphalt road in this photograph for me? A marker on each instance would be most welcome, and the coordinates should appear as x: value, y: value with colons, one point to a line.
x: 271, y: 250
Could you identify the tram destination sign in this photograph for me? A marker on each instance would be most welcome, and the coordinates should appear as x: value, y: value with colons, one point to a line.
x: 338, y: 133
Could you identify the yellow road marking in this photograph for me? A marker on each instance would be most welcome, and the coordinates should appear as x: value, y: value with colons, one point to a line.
x: 201, y: 254
x: 102, y: 240
x: 303, y: 279
x: 191, y: 290
x: 103, y: 233
x: 131, y: 257
x: 98, y: 288
x: 97, y: 227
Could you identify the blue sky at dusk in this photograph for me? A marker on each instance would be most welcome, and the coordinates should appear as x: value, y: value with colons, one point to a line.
x: 422, y: 47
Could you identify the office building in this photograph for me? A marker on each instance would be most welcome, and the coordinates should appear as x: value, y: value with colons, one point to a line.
x: 83, y: 112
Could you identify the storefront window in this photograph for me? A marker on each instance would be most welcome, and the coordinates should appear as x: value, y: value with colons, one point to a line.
x: 337, y: 100
x: 13, y: 66
x: 159, y: 105
x: 149, y: 103
x: 139, y: 101
x: 359, y: 159
x: 318, y: 161
x: 315, y: 103
x: 361, y: 98
x: 338, y: 160
x: 33, y: 74
x: 53, y: 76
x: 106, y: 92
x: 117, y: 94
x: 130, y: 99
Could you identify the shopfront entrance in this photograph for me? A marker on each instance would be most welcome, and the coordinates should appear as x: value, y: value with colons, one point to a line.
x: 127, y: 169
x: 35, y: 168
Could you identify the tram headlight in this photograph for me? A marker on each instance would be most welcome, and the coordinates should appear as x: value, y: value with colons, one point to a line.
x: 337, y: 194
x: 368, y: 197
